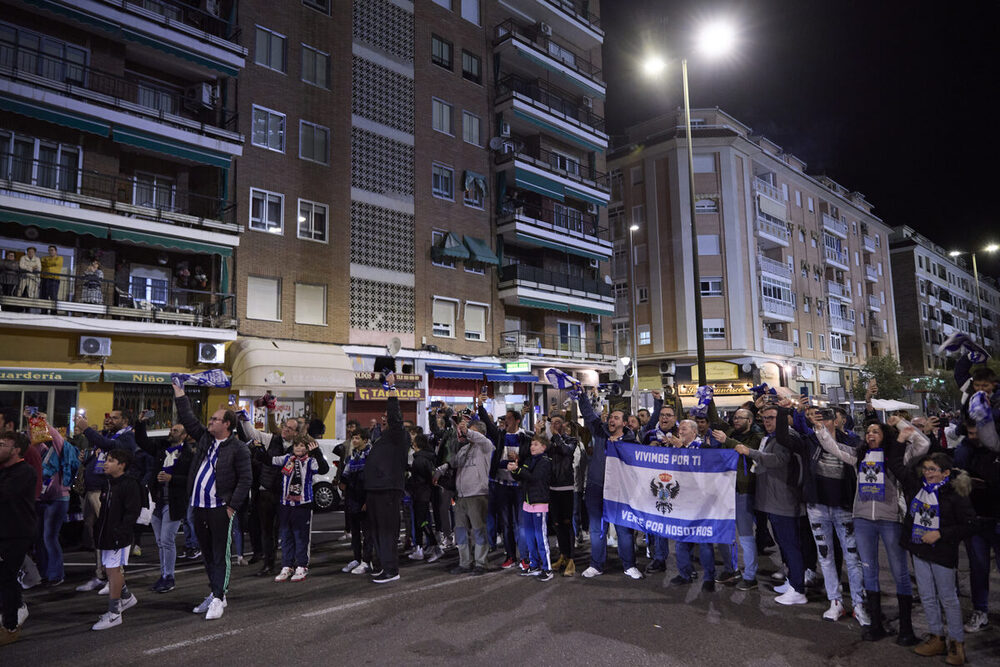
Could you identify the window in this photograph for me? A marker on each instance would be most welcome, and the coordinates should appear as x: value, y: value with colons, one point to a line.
x: 58, y: 165
x: 570, y: 337
x: 441, y: 116
x: 443, y: 182
x: 706, y: 206
x: 314, y: 142
x: 857, y: 259
x: 798, y: 199
x: 814, y: 241
x: 471, y: 133
x: 149, y: 284
x: 472, y: 67
x: 444, y: 317
x: 476, y: 315
x: 822, y: 343
x: 784, y: 191
x: 315, y: 67
x: 642, y: 294
x: 640, y: 253
x: 475, y: 190
x: 157, y: 96
x: 313, y: 220
x: 318, y: 5
x: 708, y: 244
x: 795, y: 337
x: 774, y: 289
x: 811, y: 205
x: 266, y: 211
x: 621, y: 290
x: 154, y: 191
x: 704, y: 164
x: 470, y: 11
x: 711, y: 286
x: 636, y: 174
x: 42, y: 55
x: 440, y: 52
x: 270, y: 49
x: 562, y: 54
x: 809, y: 339
x: 268, y: 129
x: 567, y: 163
x: 263, y: 298
x: 802, y: 236
x: 310, y: 304
x: 645, y: 338
x: 713, y: 328
x: 437, y: 238
x: 567, y: 217
x: 638, y: 214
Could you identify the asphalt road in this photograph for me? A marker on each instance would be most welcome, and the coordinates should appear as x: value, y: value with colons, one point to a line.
x: 430, y: 616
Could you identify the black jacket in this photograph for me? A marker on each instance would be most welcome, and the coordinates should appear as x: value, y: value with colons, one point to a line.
x: 177, y: 488
x: 499, y: 438
x: 561, y: 452
x: 421, y: 475
x: 810, y: 450
x: 385, y: 469
x: 535, y: 475
x: 267, y: 475
x: 17, y: 502
x: 121, y: 501
x: 232, y: 469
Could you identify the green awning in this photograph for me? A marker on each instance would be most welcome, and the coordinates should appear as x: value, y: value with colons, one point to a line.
x: 17, y: 375
x: 563, y: 247
x: 562, y: 132
x: 161, y: 145
x: 481, y: 252
x: 529, y: 180
x: 610, y: 310
x: 50, y: 115
x: 547, y: 305
x: 57, y: 224
x: 170, y: 242
x: 449, y: 249
x: 587, y: 197
x: 139, y: 377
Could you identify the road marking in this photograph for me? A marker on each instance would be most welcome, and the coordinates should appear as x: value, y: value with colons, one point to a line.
x: 189, y: 642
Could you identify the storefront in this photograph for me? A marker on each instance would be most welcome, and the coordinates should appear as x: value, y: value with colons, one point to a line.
x: 54, y: 391
x: 369, y: 398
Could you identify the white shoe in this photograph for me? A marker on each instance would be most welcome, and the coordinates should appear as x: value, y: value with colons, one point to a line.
x: 91, y: 585
x: 127, y: 603
x: 783, y: 588
x: 241, y: 560
x: 977, y: 621
x: 633, y: 573
x: 591, y: 572
x: 107, y: 620
x: 435, y: 554
x: 215, y: 608
x: 22, y: 614
x: 779, y: 576
x: 861, y: 616
x: 361, y: 568
x: 300, y: 573
x: 203, y: 607
x: 791, y: 597
x: 418, y: 554
x: 284, y: 575
x: 350, y: 566
x: 835, y: 612
x: 106, y: 590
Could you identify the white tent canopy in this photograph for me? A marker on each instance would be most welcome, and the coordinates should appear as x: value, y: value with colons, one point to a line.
x: 892, y: 405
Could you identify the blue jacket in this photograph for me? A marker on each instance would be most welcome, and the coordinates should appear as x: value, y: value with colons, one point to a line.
x: 599, y: 431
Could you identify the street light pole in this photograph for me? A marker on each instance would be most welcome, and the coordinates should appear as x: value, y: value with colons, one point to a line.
x: 635, y: 323
x: 699, y: 332
x: 979, y: 305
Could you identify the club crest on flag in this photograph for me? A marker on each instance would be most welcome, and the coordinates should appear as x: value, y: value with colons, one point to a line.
x: 664, y: 488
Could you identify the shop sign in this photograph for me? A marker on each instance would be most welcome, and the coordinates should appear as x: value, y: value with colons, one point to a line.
x: 518, y: 367
x: 721, y: 388
x: 368, y: 386
x: 137, y: 377
x: 722, y: 370
x: 380, y: 394
x: 48, y: 375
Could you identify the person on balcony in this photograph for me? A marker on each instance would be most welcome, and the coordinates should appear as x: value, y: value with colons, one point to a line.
x: 93, y: 278
x: 30, y: 267
x: 8, y: 272
x: 52, y: 268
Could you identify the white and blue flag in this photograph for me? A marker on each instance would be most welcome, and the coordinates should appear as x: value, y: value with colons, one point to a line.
x: 680, y: 493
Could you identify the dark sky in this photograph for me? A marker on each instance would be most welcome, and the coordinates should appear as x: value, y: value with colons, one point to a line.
x: 889, y: 98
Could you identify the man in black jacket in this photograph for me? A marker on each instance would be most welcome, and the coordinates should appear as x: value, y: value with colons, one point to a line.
x: 561, y: 450
x: 217, y: 486
x: 17, y: 528
x: 504, y: 494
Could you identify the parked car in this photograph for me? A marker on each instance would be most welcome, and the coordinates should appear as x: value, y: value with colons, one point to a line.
x: 326, y: 495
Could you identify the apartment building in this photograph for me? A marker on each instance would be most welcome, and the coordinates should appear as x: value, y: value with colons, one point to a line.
x: 935, y: 293
x: 795, y: 278
x: 119, y: 130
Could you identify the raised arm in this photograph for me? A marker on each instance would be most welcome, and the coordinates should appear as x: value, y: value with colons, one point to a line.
x: 590, y: 418
x: 186, y: 416
x: 831, y: 446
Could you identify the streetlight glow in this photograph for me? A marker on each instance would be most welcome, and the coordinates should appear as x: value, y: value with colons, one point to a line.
x: 634, y: 228
x: 954, y: 253
x: 716, y: 38
x: 993, y: 247
x: 654, y: 65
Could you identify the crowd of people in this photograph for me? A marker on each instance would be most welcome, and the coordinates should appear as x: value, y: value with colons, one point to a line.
x: 830, y: 496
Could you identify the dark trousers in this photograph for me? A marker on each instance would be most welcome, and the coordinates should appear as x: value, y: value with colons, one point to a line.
x: 267, y: 515
x: 507, y: 501
x: 383, y: 511
x: 561, y: 511
x: 12, y: 553
x: 212, y: 527
x: 422, y: 520
x: 361, y: 535
x: 50, y: 288
x: 296, y: 524
x: 786, y: 532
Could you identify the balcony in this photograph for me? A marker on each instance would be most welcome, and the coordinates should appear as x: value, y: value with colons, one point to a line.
x: 571, y: 18
x: 777, y: 310
x: 874, y: 303
x: 838, y: 290
x: 841, y: 324
x: 533, y: 287
x: 834, y: 226
x: 765, y: 188
x: 875, y: 331
x: 782, y: 347
x: 838, y: 357
x: 525, y: 104
x: 774, y: 267
x: 772, y: 233
x: 871, y: 273
x: 868, y: 243
x: 537, y: 48
x: 836, y: 258
x: 557, y: 227
x: 553, y: 175
x: 535, y: 344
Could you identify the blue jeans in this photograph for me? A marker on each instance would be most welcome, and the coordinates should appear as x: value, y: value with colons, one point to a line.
x: 295, y: 525
x: 978, y: 548
x: 936, y: 585
x: 786, y: 532
x: 745, y: 534
x: 867, y: 534
x: 706, y: 556
x: 536, y: 532
x: 165, y: 531
x: 190, y: 539
x: 824, y: 520
x: 54, y: 515
x: 594, y: 500
x: 661, y: 547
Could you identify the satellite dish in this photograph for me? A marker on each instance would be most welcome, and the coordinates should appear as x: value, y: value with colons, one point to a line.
x: 607, y: 280
x: 394, y: 346
x: 496, y: 143
x: 747, y: 367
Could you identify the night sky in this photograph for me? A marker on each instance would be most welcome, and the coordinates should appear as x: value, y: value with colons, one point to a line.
x: 889, y: 98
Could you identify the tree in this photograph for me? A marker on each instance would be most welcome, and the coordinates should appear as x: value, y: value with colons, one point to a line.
x: 887, y: 374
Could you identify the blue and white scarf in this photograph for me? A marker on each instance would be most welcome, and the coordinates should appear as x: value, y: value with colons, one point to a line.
x: 871, y: 475
x: 926, y: 510
x: 215, y: 377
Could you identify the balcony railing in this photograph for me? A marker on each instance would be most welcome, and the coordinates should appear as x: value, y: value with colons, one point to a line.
x: 774, y: 267
x: 579, y: 8
x: 549, y: 96
x: 556, y: 162
x: 546, y: 344
x: 836, y: 226
x: 177, y: 10
x: 82, y: 295
x: 868, y: 243
x: 836, y: 289
x: 875, y: 331
x: 838, y: 322
x: 77, y: 79
x: 871, y: 273
x: 778, y: 230
x: 874, y: 302
x: 556, y: 50
x: 777, y: 307
x: 571, y: 220
x: 525, y: 272
x: 766, y: 188
x: 130, y: 196
x: 776, y: 346
x: 834, y: 255
x: 838, y: 357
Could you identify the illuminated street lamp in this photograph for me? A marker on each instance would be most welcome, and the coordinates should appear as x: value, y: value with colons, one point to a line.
x: 990, y: 248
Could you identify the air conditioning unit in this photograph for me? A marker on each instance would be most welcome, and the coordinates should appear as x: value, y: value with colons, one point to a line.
x: 211, y: 353
x: 668, y: 367
x: 595, y: 263
x: 95, y: 346
x: 199, y: 96
x: 504, y: 129
x: 588, y: 102
x: 592, y: 208
x: 545, y: 28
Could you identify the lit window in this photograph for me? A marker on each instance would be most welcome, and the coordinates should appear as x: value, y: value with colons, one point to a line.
x: 268, y: 129
x: 266, y: 211
x: 313, y: 220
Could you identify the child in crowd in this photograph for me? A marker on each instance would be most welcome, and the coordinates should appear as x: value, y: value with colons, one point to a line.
x: 535, y: 477
x: 121, y: 501
x: 420, y: 485
x: 352, y: 485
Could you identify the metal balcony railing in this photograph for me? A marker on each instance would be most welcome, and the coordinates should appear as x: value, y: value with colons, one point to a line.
x: 777, y: 346
x: 834, y: 225
x: 774, y: 267
x: 874, y: 303
x: 766, y: 188
x: 549, y: 96
x: 177, y: 10
x: 581, y: 8
x: 871, y: 273
x: 569, y: 219
x: 525, y: 272
x: 545, y: 344
x: 836, y: 289
x: 868, y: 243
x: 555, y: 49
x: 838, y: 322
x: 557, y: 162
x: 772, y: 306
x: 833, y: 255
x: 767, y: 225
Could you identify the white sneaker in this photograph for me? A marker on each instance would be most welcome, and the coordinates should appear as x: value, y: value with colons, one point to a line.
x: 791, y: 597
x: 127, y: 603
x: 783, y: 588
x: 106, y: 590
x: 861, y: 616
x: 835, y: 612
x: 633, y: 573
x: 215, y: 609
x: 977, y: 621
x: 361, y: 568
x: 350, y: 566
x: 22, y: 614
x: 107, y: 620
x: 203, y: 607
x: 284, y: 575
x: 418, y: 554
x: 435, y: 554
x: 91, y: 585
x: 591, y: 572
x: 300, y: 573
x: 779, y: 576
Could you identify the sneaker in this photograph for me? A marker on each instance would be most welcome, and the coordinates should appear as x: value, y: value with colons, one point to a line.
x: 507, y: 564
x: 300, y: 573
x: 708, y: 586
x: 418, y: 554
x: 360, y: 568
x: 22, y: 614
x: 284, y: 575
x: 656, y: 566
x: 861, y: 616
x: 435, y: 554
x: 385, y: 577
x: 203, y: 607
x: 215, y: 608
x: 633, y: 573
x: 52, y: 583
x: 372, y: 571
x: 746, y: 584
x: 105, y: 590
x: 835, y: 612
x: 168, y: 585
x: 9, y: 636
x: 591, y: 572
x: 156, y: 586
x: 350, y: 566
x: 127, y: 603
x: 570, y: 569
x: 791, y: 597
x: 524, y: 565
x: 92, y: 585
x: 136, y: 550
x: 977, y: 621
x: 194, y: 554
x: 546, y: 575
x: 728, y: 577
x: 107, y: 620
x: 681, y: 580
x: 346, y: 536
x: 458, y: 569
x: 783, y: 588
x: 778, y: 576
x: 241, y: 560
x: 532, y: 572
x: 478, y: 571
